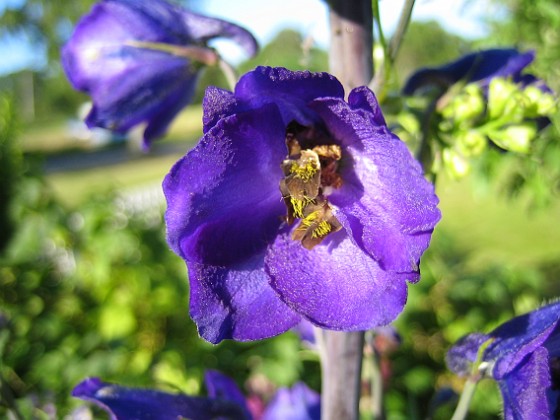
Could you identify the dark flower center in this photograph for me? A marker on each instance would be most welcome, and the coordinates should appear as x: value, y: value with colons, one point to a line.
x: 310, y: 169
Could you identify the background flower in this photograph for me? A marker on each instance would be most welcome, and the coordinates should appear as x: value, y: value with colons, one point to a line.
x: 139, y: 61
x: 224, y: 400
x: 522, y: 356
x: 481, y: 66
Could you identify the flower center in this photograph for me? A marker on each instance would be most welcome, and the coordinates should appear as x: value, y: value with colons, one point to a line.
x: 310, y: 169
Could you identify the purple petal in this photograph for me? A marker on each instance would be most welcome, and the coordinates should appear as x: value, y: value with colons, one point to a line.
x: 464, y: 353
x: 204, y: 28
x: 224, y: 202
x: 221, y: 387
x: 236, y: 303
x: 217, y: 104
x: 289, y: 90
x: 385, y: 202
x: 166, y: 111
x: 297, y: 403
x: 520, y: 336
x: 523, y: 388
x: 335, y: 285
x: 144, y: 404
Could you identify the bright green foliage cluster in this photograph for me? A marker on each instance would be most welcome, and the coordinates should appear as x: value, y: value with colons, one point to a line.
x: 508, y: 117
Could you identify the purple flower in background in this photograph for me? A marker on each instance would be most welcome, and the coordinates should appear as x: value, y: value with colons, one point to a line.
x: 297, y: 403
x: 481, y: 67
x: 139, y: 61
x: 224, y: 401
x: 523, y: 356
x: 296, y: 204
x: 142, y: 404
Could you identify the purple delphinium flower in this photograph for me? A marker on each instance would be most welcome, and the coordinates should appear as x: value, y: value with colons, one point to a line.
x: 523, y: 356
x: 139, y: 61
x: 481, y: 66
x: 296, y: 204
x: 224, y: 401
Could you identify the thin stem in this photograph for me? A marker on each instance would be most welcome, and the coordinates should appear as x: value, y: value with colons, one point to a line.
x: 465, y: 401
x: 379, y: 82
x: 402, y: 26
x: 378, y: 409
x: 202, y: 55
x: 229, y: 73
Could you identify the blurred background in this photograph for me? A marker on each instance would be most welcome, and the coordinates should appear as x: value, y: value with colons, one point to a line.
x: 88, y: 286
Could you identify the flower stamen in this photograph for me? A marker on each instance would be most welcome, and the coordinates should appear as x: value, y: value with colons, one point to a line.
x: 307, y: 173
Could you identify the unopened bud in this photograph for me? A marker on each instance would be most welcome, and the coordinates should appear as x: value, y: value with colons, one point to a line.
x: 468, y: 105
x: 455, y: 164
x: 538, y: 103
x: 502, y: 95
x: 471, y: 143
x: 516, y: 138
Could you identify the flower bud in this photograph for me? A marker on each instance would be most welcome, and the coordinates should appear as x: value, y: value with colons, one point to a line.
x: 455, y: 164
x: 501, y: 95
x: 516, y: 138
x: 538, y: 103
x: 466, y: 106
x: 471, y: 143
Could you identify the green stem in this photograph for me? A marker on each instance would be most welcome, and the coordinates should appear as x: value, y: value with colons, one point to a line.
x: 464, y: 402
x: 379, y: 83
x: 202, y: 55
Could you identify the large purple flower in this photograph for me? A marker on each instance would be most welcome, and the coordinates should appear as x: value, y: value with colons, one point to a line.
x: 481, y: 66
x: 139, y: 60
x: 297, y: 204
x: 523, y: 356
x: 224, y: 401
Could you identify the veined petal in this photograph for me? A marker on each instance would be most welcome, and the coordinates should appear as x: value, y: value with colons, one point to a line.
x: 121, y: 102
x: 223, y: 198
x: 384, y: 202
x: 464, y: 353
x: 143, y: 404
x: 523, y: 389
x: 289, y: 90
x: 335, y: 285
x: 237, y: 302
x: 520, y: 336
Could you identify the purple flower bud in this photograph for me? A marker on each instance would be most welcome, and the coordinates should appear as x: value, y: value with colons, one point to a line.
x: 297, y: 204
x: 139, y: 61
x: 522, y: 355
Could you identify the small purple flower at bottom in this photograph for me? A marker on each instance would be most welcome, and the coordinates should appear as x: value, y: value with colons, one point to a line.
x: 139, y: 60
x: 224, y: 401
x: 297, y: 204
x: 523, y: 356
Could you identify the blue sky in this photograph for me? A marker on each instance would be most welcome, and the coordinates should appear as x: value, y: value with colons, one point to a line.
x: 310, y: 17
x: 266, y: 18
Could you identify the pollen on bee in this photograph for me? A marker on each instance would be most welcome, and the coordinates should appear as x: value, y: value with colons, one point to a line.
x: 322, y: 229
